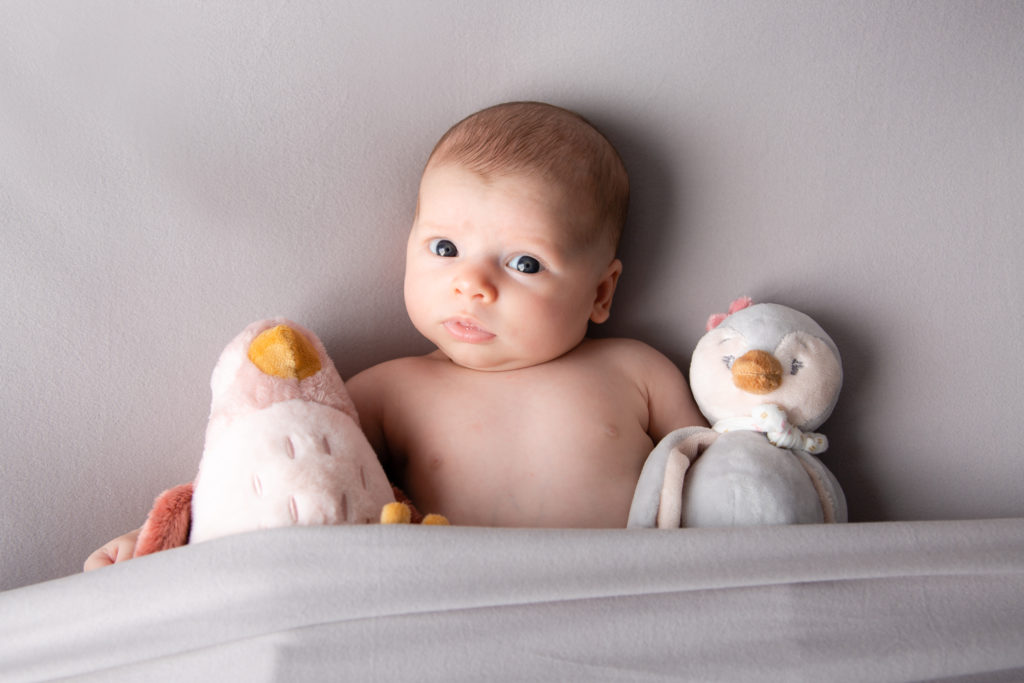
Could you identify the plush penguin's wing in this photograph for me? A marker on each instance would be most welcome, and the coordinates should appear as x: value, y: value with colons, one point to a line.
x: 643, y: 513
x: 833, y: 501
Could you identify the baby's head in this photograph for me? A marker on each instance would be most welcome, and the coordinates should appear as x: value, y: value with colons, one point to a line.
x: 555, y: 145
x: 512, y: 251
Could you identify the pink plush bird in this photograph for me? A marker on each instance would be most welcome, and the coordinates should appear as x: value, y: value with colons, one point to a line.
x: 283, y: 447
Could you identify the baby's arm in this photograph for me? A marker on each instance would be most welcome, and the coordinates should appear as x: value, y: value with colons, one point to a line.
x: 368, y: 391
x: 118, y: 550
x: 670, y: 404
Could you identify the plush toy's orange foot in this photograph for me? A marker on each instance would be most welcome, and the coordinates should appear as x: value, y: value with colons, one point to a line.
x: 396, y: 513
x: 436, y: 520
x: 401, y: 513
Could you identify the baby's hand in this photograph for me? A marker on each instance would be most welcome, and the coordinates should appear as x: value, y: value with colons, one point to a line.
x: 118, y: 550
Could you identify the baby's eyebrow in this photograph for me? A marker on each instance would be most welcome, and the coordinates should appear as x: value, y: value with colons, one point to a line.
x: 548, y: 243
x: 420, y: 226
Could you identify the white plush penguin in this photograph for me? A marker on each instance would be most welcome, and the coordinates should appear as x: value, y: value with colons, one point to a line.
x: 764, y: 376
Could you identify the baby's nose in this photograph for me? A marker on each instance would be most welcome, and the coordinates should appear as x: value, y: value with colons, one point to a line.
x: 475, y: 283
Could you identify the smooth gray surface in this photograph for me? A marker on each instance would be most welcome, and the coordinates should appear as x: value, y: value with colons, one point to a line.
x: 861, y: 602
x: 171, y: 171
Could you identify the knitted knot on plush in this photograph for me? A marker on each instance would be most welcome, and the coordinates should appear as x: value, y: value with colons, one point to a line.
x: 772, y: 422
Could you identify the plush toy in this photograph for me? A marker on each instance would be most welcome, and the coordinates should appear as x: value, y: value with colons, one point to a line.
x: 283, y: 447
x: 764, y: 376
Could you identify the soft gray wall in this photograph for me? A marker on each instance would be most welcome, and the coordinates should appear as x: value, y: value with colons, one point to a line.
x: 170, y: 171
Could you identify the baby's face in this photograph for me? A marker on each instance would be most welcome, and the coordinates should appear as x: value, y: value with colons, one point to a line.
x: 493, y: 277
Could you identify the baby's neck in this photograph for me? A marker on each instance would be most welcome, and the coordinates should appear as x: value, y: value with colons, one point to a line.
x: 441, y: 356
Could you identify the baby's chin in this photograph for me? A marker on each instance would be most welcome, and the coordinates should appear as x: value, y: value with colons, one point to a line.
x: 491, y: 365
x: 484, y: 359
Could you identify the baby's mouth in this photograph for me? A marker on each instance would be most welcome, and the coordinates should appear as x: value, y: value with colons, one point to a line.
x: 467, y: 330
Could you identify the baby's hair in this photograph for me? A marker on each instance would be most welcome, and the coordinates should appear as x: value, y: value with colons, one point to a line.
x: 559, y: 145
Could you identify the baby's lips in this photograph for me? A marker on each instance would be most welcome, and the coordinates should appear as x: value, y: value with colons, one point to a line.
x: 467, y: 330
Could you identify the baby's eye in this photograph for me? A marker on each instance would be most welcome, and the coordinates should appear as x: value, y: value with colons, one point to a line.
x: 443, y: 247
x: 795, y: 366
x: 525, y: 264
x: 728, y: 360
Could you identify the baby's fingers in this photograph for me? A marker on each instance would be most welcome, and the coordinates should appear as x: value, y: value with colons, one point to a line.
x: 99, y: 558
x: 118, y: 550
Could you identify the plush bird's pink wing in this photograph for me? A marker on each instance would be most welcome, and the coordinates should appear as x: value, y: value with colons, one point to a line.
x: 168, y: 523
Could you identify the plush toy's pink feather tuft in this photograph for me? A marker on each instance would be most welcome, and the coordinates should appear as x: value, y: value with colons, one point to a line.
x: 737, y: 305
x: 740, y: 303
x: 714, y: 320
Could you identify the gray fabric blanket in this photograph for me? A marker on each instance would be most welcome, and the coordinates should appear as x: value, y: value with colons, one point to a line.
x: 859, y: 602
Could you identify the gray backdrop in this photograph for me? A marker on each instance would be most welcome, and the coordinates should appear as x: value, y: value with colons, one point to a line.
x: 170, y: 171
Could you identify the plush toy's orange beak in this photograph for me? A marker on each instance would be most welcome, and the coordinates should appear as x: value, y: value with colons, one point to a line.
x: 757, y: 372
x: 283, y: 352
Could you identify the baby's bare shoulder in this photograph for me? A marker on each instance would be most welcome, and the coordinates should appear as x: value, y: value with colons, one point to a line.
x: 668, y: 396
x: 378, y: 389
x: 381, y: 379
x: 632, y: 352
x: 639, y: 361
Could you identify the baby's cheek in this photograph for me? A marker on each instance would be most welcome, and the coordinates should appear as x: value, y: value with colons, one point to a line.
x: 566, y: 325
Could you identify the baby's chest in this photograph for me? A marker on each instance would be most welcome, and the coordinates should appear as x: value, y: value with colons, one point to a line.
x: 525, y: 426
x: 548, y: 401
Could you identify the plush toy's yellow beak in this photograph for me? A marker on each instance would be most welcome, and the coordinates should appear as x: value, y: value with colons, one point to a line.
x: 283, y: 352
x: 757, y: 372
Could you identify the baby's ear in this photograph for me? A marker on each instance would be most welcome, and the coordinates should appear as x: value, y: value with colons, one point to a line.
x: 605, y: 291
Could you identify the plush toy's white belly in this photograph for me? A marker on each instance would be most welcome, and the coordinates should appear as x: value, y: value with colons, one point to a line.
x: 296, y: 462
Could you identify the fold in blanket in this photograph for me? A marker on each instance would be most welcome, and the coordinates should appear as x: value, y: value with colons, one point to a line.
x: 894, y: 601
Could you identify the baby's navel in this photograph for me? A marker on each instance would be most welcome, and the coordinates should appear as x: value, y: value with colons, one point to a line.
x: 611, y: 431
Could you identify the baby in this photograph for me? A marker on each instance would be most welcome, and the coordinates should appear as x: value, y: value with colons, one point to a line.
x: 517, y: 419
